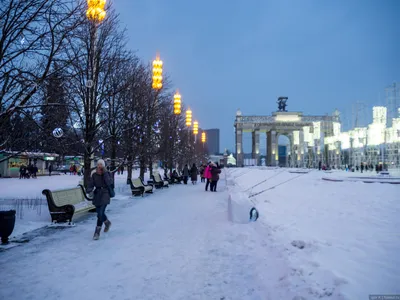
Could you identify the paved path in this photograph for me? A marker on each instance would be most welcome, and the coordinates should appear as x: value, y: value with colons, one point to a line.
x: 175, y: 244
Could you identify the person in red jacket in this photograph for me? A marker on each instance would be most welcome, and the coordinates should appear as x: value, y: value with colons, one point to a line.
x: 207, y: 174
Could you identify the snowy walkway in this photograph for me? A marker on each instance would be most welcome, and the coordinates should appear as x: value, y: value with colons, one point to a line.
x: 175, y: 244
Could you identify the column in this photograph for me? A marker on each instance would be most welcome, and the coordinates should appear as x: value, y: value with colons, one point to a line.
x: 255, y: 146
x: 301, y: 149
x: 239, y: 147
x: 272, y: 148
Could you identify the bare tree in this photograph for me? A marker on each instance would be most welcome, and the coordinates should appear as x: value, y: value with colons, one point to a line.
x: 94, y: 52
x: 33, y: 34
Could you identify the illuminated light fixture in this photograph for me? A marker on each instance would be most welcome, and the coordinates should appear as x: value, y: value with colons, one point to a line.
x: 195, y: 127
x: 203, y: 137
x: 157, y: 73
x: 177, y: 103
x: 188, y: 118
x: 96, y: 10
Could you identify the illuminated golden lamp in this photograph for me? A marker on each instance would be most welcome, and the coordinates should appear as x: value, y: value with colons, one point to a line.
x: 177, y: 103
x: 203, y: 137
x: 195, y: 127
x: 188, y: 118
x: 157, y: 73
x: 96, y: 10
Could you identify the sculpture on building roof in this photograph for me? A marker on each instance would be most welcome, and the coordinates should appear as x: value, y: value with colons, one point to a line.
x: 282, y: 103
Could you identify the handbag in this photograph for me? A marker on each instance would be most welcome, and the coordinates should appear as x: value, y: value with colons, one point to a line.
x: 111, y: 191
x: 111, y: 187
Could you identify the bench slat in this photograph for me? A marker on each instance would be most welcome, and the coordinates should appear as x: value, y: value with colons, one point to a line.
x: 70, y: 196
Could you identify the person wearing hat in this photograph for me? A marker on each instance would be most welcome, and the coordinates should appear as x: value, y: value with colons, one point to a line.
x: 215, y: 171
x: 101, y: 182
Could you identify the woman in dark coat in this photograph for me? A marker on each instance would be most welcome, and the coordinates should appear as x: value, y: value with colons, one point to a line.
x: 185, y: 174
x: 101, y: 182
x: 193, y: 174
x: 215, y: 171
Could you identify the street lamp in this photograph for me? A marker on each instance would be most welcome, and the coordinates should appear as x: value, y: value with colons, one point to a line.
x: 96, y: 10
x: 195, y: 127
x: 177, y: 103
x: 203, y: 137
x: 188, y: 118
x: 95, y: 13
x: 157, y: 73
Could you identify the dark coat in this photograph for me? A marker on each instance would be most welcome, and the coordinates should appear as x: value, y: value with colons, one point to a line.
x: 215, y: 173
x: 101, y: 184
x: 193, y: 173
x: 185, y: 171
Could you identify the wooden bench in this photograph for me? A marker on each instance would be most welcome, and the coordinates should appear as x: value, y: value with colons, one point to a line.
x: 139, y: 188
x: 158, y: 182
x: 64, y: 204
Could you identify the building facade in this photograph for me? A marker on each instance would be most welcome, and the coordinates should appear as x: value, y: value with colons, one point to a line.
x: 212, y: 142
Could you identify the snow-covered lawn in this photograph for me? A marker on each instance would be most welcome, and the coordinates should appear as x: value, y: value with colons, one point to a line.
x: 184, y: 243
x: 350, y: 229
x: 25, y: 196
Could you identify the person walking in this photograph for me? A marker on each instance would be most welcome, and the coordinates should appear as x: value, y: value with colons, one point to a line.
x: 202, y: 173
x: 185, y: 174
x: 193, y: 174
x: 215, y: 171
x: 101, y: 182
x: 207, y: 175
x: 50, y: 169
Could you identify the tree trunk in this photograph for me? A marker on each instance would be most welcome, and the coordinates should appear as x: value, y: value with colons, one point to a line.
x: 129, y: 168
x: 87, y: 160
x: 113, y: 152
x: 142, y: 168
x: 151, y: 166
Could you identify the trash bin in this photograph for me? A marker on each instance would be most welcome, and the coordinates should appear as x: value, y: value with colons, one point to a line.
x: 7, y: 222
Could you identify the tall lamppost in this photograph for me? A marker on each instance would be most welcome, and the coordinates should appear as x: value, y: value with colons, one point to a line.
x: 177, y: 103
x: 203, y: 138
x: 188, y: 118
x: 95, y: 13
x: 195, y: 132
x: 157, y: 84
x: 195, y: 129
x: 177, y: 108
x: 188, y: 125
x: 157, y: 73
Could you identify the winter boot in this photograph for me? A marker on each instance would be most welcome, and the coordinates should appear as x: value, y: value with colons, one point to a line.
x: 107, y: 224
x: 96, y: 235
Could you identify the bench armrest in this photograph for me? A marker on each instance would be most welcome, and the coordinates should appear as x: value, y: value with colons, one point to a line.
x: 84, y: 193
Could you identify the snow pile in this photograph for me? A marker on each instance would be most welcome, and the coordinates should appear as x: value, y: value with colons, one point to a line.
x: 343, y: 234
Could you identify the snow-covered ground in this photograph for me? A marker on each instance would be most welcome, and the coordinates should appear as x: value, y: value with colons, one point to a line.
x: 351, y: 230
x: 184, y: 243
x: 25, y: 196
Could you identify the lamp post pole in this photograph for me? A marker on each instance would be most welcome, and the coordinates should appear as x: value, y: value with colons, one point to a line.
x: 177, y: 110
x: 157, y: 86
x: 95, y: 13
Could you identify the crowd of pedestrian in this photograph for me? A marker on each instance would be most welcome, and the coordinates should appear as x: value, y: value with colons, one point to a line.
x: 26, y: 172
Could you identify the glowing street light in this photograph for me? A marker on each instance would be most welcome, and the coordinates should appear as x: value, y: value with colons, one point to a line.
x: 177, y: 103
x: 203, y: 137
x: 96, y: 10
x: 188, y: 118
x: 157, y: 73
x: 195, y: 127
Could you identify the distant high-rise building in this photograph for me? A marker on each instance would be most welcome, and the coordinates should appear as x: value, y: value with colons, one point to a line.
x: 212, y: 141
x: 392, y: 102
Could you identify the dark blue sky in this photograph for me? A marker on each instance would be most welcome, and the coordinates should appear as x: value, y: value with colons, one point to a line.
x: 224, y: 55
